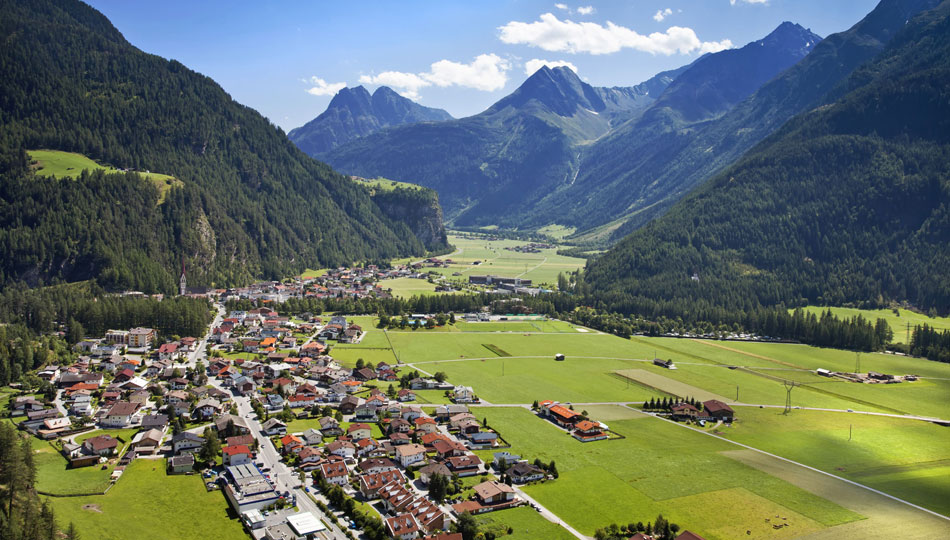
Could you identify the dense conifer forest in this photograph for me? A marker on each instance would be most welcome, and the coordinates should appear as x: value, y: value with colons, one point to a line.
x: 849, y: 203
x: 250, y: 204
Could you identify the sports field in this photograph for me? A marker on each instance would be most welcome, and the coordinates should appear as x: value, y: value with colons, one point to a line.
x: 897, y: 322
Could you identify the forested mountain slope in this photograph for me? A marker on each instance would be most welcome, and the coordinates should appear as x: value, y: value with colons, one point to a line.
x: 251, y: 204
x: 639, y: 171
x: 848, y: 203
x: 354, y: 113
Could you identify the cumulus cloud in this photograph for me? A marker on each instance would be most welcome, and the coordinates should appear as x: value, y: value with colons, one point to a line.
x: 562, y: 7
x: 733, y: 2
x: 487, y: 72
x: 662, y: 14
x: 323, y: 88
x: 551, y: 34
x: 585, y: 10
x: 535, y: 64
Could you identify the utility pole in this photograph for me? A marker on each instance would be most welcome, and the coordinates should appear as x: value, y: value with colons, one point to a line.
x: 857, y: 363
x: 908, y: 334
x: 850, y: 426
x: 789, y: 386
x: 737, y: 393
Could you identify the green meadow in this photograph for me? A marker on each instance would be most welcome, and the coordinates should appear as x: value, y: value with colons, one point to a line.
x: 147, y: 504
x: 55, y: 163
x: 677, y: 472
x: 494, y: 259
x: 906, y: 458
x: 897, y: 321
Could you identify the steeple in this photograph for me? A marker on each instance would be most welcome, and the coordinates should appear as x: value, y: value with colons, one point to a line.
x: 181, y: 282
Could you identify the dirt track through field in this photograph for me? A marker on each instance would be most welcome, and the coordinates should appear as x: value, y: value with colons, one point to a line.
x: 888, y: 518
x: 753, y: 355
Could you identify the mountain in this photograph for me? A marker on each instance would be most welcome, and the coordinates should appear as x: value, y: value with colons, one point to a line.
x: 849, y: 202
x: 558, y: 146
x: 354, y: 113
x: 629, y: 174
x: 633, y: 176
x: 245, y: 203
x: 490, y: 164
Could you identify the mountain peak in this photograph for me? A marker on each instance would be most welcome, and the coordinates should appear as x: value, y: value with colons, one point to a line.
x: 558, y: 89
x: 354, y: 112
x: 790, y: 35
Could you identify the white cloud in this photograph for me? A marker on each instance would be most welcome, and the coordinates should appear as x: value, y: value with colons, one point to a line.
x: 733, y: 2
x: 585, y: 10
x: 551, y: 34
x: 323, y: 88
x: 562, y: 7
x: 662, y: 14
x: 407, y: 84
x: 488, y: 72
x: 535, y: 64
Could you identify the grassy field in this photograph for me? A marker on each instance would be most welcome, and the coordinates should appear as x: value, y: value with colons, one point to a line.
x: 149, y: 505
x: 70, y: 165
x: 886, y: 518
x: 705, y: 491
x: 542, y: 267
x: 894, y: 455
x: 526, y: 524
x: 898, y: 323
x: 406, y: 287
x: 52, y: 476
x: 557, y: 231
x: 385, y: 184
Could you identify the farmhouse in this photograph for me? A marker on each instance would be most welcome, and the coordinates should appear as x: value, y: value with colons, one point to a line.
x: 716, y: 410
x: 587, y: 431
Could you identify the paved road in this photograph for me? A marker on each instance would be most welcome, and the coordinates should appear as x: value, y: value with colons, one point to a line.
x: 284, y: 478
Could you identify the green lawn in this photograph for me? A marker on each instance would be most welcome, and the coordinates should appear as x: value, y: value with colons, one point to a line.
x: 907, y: 458
x: 898, y: 323
x: 659, y: 467
x: 52, y: 476
x: 147, y: 504
x: 70, y: 165
x: 525, y: 522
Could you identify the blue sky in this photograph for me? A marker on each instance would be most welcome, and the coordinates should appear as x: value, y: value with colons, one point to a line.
x: 286, y: 59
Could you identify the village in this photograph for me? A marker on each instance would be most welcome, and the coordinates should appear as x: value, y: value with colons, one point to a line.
x: 131, y: 396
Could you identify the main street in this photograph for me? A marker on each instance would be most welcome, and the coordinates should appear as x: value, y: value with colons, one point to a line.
x: 285, y: 480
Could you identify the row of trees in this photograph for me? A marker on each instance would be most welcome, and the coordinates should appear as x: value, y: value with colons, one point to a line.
x: 660, y: 529
x: 22, y: 515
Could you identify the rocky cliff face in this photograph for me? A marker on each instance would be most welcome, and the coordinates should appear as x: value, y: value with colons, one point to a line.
x: 419, y: 209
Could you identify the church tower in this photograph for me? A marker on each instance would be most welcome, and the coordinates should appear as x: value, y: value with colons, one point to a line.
x: 181, y: 282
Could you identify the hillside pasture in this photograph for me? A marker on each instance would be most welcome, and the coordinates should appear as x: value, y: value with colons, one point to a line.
x: 59, y: 164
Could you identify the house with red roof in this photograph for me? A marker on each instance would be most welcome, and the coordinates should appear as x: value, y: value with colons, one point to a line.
x: 236, y: 455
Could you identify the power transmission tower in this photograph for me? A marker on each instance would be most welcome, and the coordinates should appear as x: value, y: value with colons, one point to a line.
x: 789, y: 386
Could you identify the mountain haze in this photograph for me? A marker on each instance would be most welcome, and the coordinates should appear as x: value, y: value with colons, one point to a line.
x: 556, y: 148
x: 354, y: 113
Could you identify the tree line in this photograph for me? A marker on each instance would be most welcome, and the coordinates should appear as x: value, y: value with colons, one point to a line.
x: 23, y: 515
